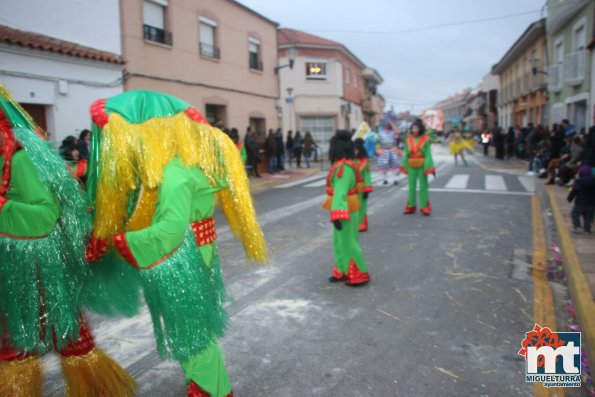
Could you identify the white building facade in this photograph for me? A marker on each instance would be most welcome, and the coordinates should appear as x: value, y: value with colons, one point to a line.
x: 56, y: 69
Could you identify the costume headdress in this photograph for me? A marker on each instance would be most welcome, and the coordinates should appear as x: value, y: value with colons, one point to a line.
x: 134, y: 136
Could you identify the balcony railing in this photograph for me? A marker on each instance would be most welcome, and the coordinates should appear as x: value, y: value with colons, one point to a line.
x: 209, y: 51
x: 256, y: 65
x: 157, y: 35
x: 574, y: 68
x: 526, y: 83
x: 555, y: 77
x: 373, y: 104
x: 517, y: 88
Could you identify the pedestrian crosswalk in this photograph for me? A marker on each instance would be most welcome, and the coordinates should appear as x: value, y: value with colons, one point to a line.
x: 457, y: 183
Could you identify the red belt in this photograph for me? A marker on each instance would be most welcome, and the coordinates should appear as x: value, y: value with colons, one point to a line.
x: 204, y: 231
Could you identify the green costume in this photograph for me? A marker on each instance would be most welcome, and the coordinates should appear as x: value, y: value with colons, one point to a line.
x: 418, y: 164
x: 363, y: 166
x: 44, y: 224
x: 343, y: 184
x: 156, y: 169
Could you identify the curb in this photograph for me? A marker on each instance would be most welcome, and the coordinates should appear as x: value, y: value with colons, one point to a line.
x: 266, y: 185
x: 577, y: 282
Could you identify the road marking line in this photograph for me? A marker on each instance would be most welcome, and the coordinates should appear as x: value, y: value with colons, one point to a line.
x: 447, y: 190
x: 495, y: 182
x: 301, y: 181
x: 528, y: 183
x: 543, y: 300
x: 458, y: 181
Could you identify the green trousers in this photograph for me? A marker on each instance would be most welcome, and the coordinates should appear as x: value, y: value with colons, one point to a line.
x: 208, y: 371
x: 414, y: 175
x: 363, y: 210
x: 346, y: 245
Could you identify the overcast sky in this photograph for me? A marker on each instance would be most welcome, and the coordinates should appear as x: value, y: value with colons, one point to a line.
x: 422, y: 66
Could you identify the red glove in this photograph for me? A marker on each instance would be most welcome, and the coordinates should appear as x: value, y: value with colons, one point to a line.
x: 96, y: 248
x: 3, y: 201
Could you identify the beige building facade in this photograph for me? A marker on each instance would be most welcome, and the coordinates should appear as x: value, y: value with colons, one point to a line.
x: 218, y: 55
x: 523, y: 86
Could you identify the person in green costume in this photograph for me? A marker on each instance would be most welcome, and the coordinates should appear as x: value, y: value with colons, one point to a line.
x: 362, y: 162
x: 343, y: 184
x: 418, y: 164
x: 157, y: 168
x: 43, y: 228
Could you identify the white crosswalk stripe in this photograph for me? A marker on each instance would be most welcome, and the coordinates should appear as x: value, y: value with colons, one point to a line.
x: 495, y: 182
x: 528, y: 183
x: 458, y: 181
x: 302, y: 181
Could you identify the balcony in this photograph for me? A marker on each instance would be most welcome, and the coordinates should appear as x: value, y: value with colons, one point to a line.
x: 538, y: 82
x: 209, y: 51
x: 574, y: 68
x: 256, y: 65
x: 373, y: 104
x: 526, y: 84
x: 157, y: 35
x: 555, y: 77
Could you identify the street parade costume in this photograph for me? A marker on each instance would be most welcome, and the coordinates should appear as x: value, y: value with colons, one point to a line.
x: 343, y: 186
x: 418, y: 164
x: 458, y: 144
x: 157, y: 170
x: 44, y: 225
x: 388, y: 155
x: 362, y: 163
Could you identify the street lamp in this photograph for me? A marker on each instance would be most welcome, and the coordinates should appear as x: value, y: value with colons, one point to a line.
x: 291, y: 54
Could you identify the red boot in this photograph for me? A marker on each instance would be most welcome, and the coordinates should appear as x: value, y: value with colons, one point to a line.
x: 426, y: 211
x: 355, y: 276
x: 364, y: 226
x: 194, y: 390
x: 409, y: 209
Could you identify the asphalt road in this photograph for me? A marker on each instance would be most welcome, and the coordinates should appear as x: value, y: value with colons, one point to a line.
x: 443, y: 314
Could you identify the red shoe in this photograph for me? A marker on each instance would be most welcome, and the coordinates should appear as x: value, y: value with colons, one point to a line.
x: 337, y: 276
x: 355, y: 276
x: 364, y: 226
x: 409, y: 209
x: 426, y: 211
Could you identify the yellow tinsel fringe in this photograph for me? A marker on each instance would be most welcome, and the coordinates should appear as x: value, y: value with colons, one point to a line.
x: 134, y: 155
x: 96, y: 374
x: 21, y: 378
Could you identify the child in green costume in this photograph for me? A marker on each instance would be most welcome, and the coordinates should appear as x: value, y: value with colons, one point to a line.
x: 418, y: 164
x: 344, y: 182
x: 157, y: 168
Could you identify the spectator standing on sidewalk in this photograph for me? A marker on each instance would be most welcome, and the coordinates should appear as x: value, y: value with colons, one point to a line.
x: 253, y: 152
x: 583, y: 194
x: 271, y: 151
x: 509, y: 143
x: 569, y: 129
x: 309, y: 147
x: 280, y: 150
x: 84, y: 144
x: 298, y: 144
x: 486, y: 138
x: 589, y: 154
x: 289, y: 146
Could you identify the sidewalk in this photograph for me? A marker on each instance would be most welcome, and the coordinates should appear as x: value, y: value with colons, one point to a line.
x: 267, y: 181
x: 578, y: 252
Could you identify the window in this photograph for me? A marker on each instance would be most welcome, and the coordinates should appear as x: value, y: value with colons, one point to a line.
x: 207, y: 38
x: 154, y: 22
x: 579, y: 38
x: 254, y: 54
x: 316, y: 70
x: 347, y: 76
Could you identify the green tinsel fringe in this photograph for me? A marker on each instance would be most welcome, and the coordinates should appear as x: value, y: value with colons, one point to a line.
x: 47, y: 276
x: 185, y: 298
x: 114, y: 288
x: 34, y: 282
